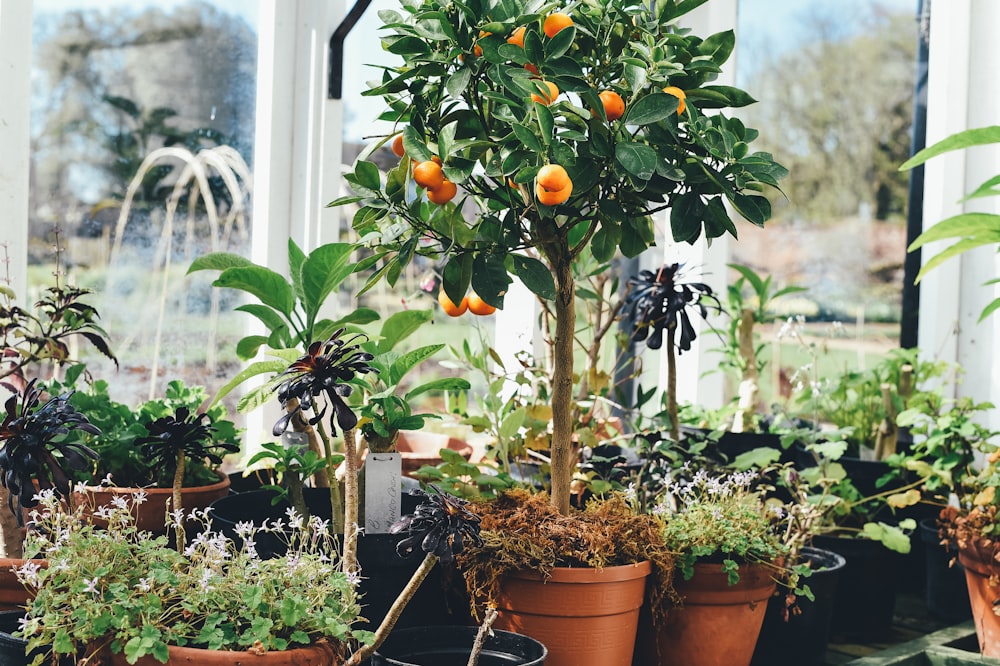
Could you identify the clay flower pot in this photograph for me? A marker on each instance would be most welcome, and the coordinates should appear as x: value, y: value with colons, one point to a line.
x: 319, y: 654
x: 13, y: 595
x: 151, y: 515
x: 585, y: 617
x: 983, y: 595
x: 718, y: 624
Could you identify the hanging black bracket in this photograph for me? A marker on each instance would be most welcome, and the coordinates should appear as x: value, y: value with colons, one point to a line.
x: 335, y: 80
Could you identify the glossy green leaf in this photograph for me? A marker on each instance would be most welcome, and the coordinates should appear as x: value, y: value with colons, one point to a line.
x: 535, y: 275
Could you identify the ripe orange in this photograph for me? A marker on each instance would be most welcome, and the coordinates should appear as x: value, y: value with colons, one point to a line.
x: 552, y: 197
x: 477, y: 50
x: 397, y: 146
x: 614, y: 105
x: 517, y: 37
x: 546, y: 98
x: 552, y: 177
x: 556, y: 22
x: 679, y: 94
x: 478, y: 306
x: 443, y: 193
x: 449, y: 306
x: 436, y: 160
x: 428, y: 174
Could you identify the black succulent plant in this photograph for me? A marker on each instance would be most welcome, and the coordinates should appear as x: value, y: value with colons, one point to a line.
x: 183, y: 433
x: 325, y: 370
x: 441, y: 525
x: 658, y: 301
x: 33, y: 448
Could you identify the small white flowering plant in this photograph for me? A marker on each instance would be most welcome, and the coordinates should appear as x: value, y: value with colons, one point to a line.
x: 125, y: 590
x: 723, y: 518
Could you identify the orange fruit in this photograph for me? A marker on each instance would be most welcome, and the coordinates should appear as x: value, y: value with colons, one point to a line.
x: 443, y: 193
x: 552, y: 177
x: 546, y: 98
x: 478, y: 306
x: 449, y: 306
x: 517, y: 37
x: 428, y: 174
x: 556, y: 22
x: 614, y: 105
x: 552, y: 197
x: 679, y: 94
x: 397, y: 146
x: 436, y: 159
x: 477, y: 50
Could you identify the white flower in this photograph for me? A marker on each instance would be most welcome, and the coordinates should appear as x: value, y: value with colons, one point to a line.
x: 244, y: 529
x: 119, y: 502
x: 27, y: 573
x: 139, y: 497
x: 91, y: 584
x: 294, y: 519
x: 144, y: 585
x: 106, y: 481
x: 354, y: 577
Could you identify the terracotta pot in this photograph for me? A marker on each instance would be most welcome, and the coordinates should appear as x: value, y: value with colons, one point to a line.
x: 13, y: 595
x: 585, y: 617
x: 418, y: 448
x: 151, y: 515
x: 718, y: 624
x: 320, y: 654
x: 983, y: 595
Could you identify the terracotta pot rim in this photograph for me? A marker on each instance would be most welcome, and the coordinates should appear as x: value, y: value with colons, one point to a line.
x: 609, y: 574
x: 320, y: 652
x: 223, y: 482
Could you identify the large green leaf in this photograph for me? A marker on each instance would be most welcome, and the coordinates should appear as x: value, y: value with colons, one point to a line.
x: 322, y: 272
x: 651, y: 109
x: 973, y: 137
x: 535, y: 275
x: 400, y: 326
x: 271, y: 367
x: 411, y: 359
x: 218, y: 261
x: 636, y: 158
x: 490, y: 279
x: 270, y: 287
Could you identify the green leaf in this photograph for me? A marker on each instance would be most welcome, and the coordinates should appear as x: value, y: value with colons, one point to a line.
x: 269, y: 287
x: 756, y: 458
x: 367, y: 175
x: 440, y: 384
x: 218, y: 261
x: 526, y: 136
x: 458, y: 82
x: 512, y: 423
x: 561, y: 43
x: 252, y: 370
x: 410, y: 360
x: 247, y: 347
x: 651, y: 109
x: 636, y: 158
x: 535, y: 275
x: 400, y: 326
x: 490, y: 279
x: 974, y: 225
x: 973, y: 137
x: 322, y: 272
x: 712, y: 97
x: 456, y: 276
x: 891, y: 536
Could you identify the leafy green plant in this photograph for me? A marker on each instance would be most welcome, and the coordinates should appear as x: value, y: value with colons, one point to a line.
x: 551, y: 177
x: 126, y: 590
x: 970, y: 230
x: 33, y: 337
x: 121, y: 459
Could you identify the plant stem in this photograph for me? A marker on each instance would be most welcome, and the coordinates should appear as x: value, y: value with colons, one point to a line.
x: 675, y: 428
x: 484, y: 629
x: 176, y: 507
x: 392, y: 616
x: 350, y: 559
x: 336, y: 501
x: 563, y: 451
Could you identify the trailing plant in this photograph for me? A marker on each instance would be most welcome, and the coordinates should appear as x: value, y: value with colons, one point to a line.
x: 552, y: 177
x: 127, y: 591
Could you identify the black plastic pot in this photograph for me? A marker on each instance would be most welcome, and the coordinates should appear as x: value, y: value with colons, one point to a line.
x: 451, y: 646
x: 440, y: 600
x: 947, y: 594
x: 802, y: 639
x: 12, y: 649
x: 866, y: 594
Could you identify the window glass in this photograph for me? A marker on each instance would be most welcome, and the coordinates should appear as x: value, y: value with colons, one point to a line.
x: 114, y: 83
x: 836, y: 88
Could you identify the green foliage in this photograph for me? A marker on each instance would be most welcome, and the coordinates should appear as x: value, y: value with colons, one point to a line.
x: 288, y: 460
x: 970, y: 229
x: 475, y: 113
x: 723, y: 518
x: 130, y: 590
x: 122, y: 427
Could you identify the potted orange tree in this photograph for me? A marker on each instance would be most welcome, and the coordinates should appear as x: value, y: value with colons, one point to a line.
x: 540, y: 134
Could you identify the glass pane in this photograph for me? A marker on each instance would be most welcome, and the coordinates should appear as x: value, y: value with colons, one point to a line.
x: 836, y: 86
x: 114, y: 84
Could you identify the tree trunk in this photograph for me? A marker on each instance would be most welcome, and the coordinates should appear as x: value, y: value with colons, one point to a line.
x: 563, y: 450
x: 12, y: 534
x: 178, y: 484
